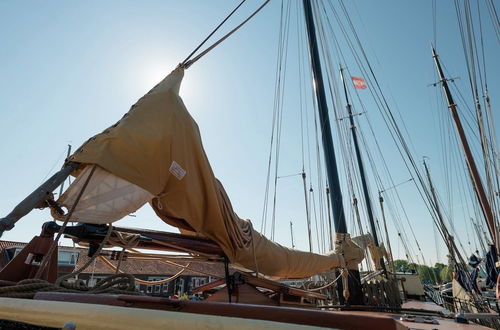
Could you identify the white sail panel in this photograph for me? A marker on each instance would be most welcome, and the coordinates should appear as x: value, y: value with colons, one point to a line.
x: 107, y: 198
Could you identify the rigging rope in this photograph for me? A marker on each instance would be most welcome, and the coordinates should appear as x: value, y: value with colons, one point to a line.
x: 187, y: 63
x: 215, y: 30
x: 279, y: 60
x: 167, y: 280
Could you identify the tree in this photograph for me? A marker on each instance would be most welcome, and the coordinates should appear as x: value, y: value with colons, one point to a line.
x: 439, y: 266
x: 446, y: 273
x: 400, y: 265
x: 427, y: 274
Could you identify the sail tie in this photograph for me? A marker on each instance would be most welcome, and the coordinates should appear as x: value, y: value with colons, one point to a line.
x: 125, y: 240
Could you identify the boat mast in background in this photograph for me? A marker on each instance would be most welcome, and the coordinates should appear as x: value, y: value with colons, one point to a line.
x: 473, y: 171
x: 361, y: 169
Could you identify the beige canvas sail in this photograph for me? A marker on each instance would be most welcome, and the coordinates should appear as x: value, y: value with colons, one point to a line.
x: 157, y: 147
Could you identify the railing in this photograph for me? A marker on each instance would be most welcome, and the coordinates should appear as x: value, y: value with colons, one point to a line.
x: 484, y: 311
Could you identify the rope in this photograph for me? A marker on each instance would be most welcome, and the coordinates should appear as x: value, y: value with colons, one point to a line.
x: 47, y: 256
x: 188, y: 63
x: 125, y: 240
x: 63, y: 278
x: 188, y: 268
x: 344, y: 273
x: 183, y: 249
x: 345, y: 283
x: 215, y: 30
x: 115, y: 284
x: 165, y: 259
x: 327, y: 285
x: 167, y: 280
x: 274, y: 125
x: 121, y: 283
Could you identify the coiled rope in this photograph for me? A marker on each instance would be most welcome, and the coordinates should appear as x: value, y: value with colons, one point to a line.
x: 115, y: 284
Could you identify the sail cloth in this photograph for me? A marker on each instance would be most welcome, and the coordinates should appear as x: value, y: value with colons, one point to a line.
x: 107, y: 198
x: 157, y: 147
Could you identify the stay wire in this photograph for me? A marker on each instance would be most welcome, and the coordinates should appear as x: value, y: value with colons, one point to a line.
x: 279, y: 106
x: 434, y: 18
x: 396, y: 129
x: 345, y: 33
x: 212, y: 33
x: 279, y: 63
x: 188, y: 63
x: 494, y: 17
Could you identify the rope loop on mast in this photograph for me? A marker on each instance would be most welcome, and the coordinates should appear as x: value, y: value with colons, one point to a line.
x: 188, y: 62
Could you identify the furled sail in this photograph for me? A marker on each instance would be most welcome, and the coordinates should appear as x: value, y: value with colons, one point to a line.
x: 154, y: 153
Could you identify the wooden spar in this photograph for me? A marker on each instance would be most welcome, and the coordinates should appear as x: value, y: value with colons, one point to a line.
x: 61, y: 188
x: 361, y: 169
x: 150, y: 239
x: 37, y: 197
x: 474, y: 173
x: 356, y: 296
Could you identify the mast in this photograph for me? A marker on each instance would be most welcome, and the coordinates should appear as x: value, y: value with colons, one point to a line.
x: 381, y: 200
x: 308, y: 217
x: 361, y: 168
x: 291, y: 234
x: 331, y: 165
x: 449, y: 241
x: 329, y: 210
x: 474, y: 173
x: 326, y: 133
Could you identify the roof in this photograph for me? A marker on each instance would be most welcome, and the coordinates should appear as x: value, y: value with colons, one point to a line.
x: 153, y: 267
x: 4, y: 260
x: 8, y: 244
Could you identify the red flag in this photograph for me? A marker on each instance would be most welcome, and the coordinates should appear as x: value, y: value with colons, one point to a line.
x: 359, y: 83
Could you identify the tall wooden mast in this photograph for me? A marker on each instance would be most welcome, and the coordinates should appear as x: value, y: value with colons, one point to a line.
x: 326, y: 133
x: 471, y: 165
x: 356, y: 296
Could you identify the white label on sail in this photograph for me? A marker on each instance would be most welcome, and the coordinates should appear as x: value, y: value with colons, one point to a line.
x: 177, y: 170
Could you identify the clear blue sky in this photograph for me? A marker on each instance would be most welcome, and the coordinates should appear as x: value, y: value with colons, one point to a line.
x: 69, y: 69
